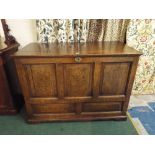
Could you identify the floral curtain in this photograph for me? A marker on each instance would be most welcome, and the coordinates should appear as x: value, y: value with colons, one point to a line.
x: 81, y: 30
x: 141, y: 36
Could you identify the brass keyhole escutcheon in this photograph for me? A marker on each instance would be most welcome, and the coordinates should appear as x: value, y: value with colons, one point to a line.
x: 78, y: 59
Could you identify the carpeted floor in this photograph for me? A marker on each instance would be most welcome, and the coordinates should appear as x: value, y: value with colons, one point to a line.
x: 142, y: 113
x: 16, y: 125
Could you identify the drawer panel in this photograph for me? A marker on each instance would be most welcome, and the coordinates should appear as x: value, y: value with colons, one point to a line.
x: 53, y: 108
x: 102, y: 107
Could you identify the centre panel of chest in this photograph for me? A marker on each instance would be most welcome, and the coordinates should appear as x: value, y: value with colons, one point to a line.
x: 78, y: 80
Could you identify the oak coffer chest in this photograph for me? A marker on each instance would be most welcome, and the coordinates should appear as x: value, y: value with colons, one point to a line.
x: 76, y: 81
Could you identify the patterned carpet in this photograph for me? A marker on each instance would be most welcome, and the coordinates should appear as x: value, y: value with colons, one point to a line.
x: 142, y: 113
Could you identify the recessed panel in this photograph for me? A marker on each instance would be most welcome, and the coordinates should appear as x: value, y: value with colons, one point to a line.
x: 78, y: 79
x: 114, y: 78
x: 41, y: 80
x: 54, y: 108
x: 101, y: 107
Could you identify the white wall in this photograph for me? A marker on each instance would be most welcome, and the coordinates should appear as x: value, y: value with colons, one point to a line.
x: 24, y: 30
x: 1, y: 30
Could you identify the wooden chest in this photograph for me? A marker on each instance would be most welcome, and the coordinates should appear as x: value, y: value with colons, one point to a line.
x: 76, y: 81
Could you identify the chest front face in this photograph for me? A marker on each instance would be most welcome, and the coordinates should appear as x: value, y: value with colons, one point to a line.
x: 76, y: 87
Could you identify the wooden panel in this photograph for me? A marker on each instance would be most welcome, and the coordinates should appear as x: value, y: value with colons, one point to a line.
x: 101, y: 107
x: 49, y: 100
x: 86, y: 116
x: 60, y: 83
x: 71, y: 59
x: 53, y: 108
x: 96, y: 80
x: 69, y: 49
x: 130, y: 84
x: 114, y: 78
x: 8, y: 86
x: 78, y: 79
x: 5, y: 95
x: 42, y: 80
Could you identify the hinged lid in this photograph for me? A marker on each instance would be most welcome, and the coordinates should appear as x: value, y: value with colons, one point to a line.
x: 72, y: 49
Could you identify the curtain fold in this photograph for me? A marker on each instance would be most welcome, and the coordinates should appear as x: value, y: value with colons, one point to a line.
x: 81, y: 30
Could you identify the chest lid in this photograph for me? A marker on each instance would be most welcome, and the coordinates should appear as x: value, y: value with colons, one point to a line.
x: 72, y: 49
